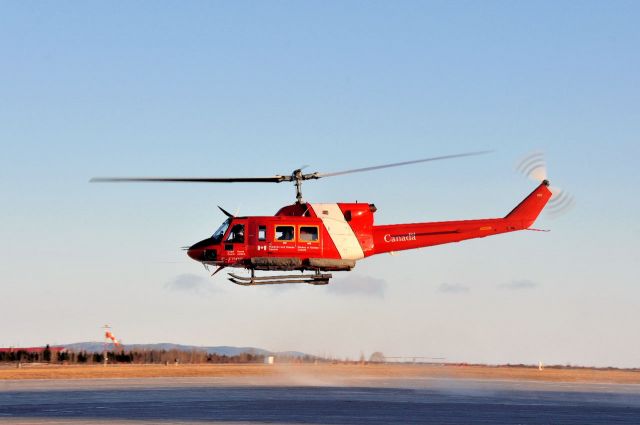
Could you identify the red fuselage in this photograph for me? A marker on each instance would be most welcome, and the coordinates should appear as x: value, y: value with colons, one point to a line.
x: 334, y: 236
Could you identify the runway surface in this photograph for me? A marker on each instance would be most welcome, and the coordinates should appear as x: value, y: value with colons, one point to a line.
x: 372, y: 401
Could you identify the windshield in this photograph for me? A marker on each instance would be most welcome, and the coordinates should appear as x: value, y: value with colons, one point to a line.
x: 218, y: 234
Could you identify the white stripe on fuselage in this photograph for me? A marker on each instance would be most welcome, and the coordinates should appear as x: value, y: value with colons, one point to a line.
x: 339, y: 230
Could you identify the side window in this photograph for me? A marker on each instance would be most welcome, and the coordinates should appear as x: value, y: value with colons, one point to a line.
x: 309, y: 233
x: 236, y: 235
x: 262, y: 233
x: 284, y: 233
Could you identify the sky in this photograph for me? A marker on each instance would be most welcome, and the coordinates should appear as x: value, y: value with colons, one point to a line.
x: 241, y: 88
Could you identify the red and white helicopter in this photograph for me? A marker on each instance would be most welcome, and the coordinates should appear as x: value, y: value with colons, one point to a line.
x: 322, y: 238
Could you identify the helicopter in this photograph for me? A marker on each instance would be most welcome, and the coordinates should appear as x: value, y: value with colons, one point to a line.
x: 321, y: 238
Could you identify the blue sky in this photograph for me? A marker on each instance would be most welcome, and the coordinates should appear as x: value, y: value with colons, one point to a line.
x: 261, y: 88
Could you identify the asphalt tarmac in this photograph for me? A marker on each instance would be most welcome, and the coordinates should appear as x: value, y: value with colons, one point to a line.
x: 371, y: 401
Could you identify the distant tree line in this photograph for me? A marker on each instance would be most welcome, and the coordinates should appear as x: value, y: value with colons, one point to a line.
x: 142, y: 357
x: 30, y: 356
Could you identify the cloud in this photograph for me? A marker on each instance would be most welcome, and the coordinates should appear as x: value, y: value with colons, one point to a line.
x: 189, y: 282
x: 518, y: 284
x: 358, y: 285
x: 453, y: 288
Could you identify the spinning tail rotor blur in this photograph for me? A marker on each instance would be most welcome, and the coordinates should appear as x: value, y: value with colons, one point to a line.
x: 534, y: 167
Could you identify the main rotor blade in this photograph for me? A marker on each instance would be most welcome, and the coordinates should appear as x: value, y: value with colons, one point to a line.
x: 398, y: 164
x: 274, y: 179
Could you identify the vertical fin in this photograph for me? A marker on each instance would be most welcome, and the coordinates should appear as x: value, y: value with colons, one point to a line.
x: 529, y: 209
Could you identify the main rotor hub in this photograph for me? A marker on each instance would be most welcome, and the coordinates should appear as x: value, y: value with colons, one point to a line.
x: 297, y: 177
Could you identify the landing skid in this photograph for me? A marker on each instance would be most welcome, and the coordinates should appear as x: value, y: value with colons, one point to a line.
x: 313, y: 279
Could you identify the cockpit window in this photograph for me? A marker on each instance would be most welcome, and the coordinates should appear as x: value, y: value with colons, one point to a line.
x: 218, y: 234
x: 236, y: 235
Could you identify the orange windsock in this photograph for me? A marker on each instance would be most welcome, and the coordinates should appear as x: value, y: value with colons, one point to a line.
x: 112, y: 337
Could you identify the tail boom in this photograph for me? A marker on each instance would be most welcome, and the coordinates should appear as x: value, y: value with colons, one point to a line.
x: 398, y: 237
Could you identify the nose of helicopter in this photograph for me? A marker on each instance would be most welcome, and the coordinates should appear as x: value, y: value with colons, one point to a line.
x: 196, y: 254
x: 197, y: 250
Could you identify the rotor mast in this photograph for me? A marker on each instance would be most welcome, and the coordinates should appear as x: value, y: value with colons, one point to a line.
x: 297, y: 178
x: 297, y: 175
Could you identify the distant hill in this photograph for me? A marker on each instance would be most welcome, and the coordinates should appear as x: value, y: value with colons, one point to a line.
x: 222, y: 350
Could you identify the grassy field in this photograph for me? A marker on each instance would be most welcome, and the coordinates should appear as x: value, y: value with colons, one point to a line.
x: 320, y: 371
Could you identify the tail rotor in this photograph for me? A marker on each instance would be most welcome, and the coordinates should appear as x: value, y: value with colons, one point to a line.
x: 534, y: 166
